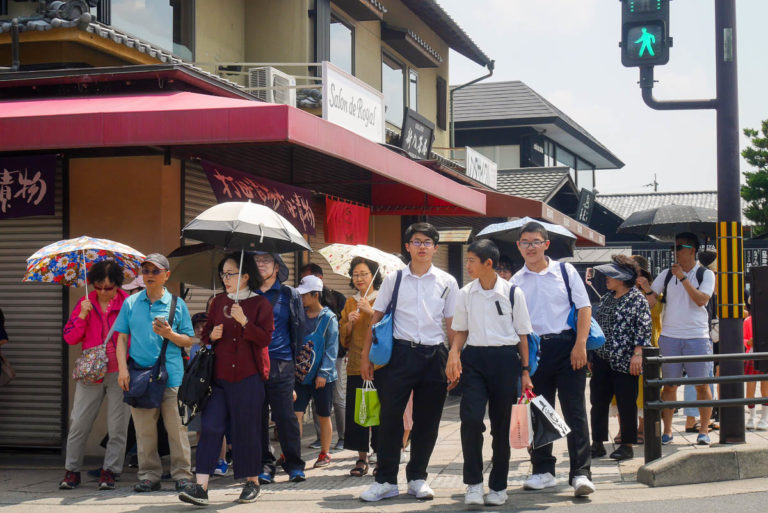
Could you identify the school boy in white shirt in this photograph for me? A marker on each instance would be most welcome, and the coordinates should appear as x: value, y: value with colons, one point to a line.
x: 562, y: 368
x: 489, y: 365
x: 427, y: 296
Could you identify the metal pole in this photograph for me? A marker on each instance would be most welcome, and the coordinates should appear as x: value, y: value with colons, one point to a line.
x: 651, y: 417
x: 729, y: 243
x: 15, y: 61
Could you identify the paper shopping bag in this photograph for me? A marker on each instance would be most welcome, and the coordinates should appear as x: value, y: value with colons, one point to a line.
x: 547, y: 424
x: 367, y: 406
x: 520, y: 429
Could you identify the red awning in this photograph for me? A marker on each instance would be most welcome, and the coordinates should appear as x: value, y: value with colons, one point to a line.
x: 187, y: 119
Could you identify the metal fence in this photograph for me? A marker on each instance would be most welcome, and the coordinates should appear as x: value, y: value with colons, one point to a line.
x: 653, y: 382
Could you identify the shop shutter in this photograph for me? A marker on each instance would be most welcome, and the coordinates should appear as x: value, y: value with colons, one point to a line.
x: 31, y: 405
x: 317, y: 241
x: 440, y: 260
x: 198, y: 196
x: 464, y: 272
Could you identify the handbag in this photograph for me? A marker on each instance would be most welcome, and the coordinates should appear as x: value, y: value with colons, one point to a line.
x: 91, y: 365
x: 596, y: 337
x: 382, y: 340
x: 367, y: 405
x: 6, y: 371
x: 310, y: 354
x: 547, y: 424
x: 147, y: 384
x: 534, y: 340
x: 520, y: 428
x: 196, y: 385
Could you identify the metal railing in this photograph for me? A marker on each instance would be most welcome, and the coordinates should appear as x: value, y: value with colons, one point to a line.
x: 652, y: 383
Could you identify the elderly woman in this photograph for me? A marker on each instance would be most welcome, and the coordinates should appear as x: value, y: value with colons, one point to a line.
x: 355, y: 323
x: 624, y: 315
x: 90, y: 323
x: 239, y: 328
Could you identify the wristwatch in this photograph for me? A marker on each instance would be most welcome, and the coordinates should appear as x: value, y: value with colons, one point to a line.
x: 526, y: 368
x: 683, y: 278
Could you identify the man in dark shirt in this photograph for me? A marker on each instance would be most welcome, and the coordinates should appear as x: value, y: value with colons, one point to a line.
x: 289, y: 330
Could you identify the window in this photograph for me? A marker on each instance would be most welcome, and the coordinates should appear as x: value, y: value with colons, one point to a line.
x: 442, y: 103
x: 413, y: 89
x: 393, y: 87
x: 585, y: 175
x: 169, y: 24
x: 342, y: 45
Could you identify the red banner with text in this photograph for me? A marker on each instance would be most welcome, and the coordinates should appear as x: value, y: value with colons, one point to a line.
x: 346, y: 223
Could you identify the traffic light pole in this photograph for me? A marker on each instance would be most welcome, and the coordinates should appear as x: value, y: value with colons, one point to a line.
x: 730, y: 256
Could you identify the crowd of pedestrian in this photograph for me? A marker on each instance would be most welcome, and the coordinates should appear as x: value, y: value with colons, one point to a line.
x: 280, y: 349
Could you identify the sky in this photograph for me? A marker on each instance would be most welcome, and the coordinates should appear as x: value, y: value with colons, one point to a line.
x: 567, y: 51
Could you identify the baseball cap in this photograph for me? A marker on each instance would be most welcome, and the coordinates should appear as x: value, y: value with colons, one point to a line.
x: 158, y: 260
x: 310, y: 283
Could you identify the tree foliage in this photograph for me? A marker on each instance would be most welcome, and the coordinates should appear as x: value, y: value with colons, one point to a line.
x: 755, y: 191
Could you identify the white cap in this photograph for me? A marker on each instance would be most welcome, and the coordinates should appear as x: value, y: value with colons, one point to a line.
x: 310, y: 283
x: 137, y: 283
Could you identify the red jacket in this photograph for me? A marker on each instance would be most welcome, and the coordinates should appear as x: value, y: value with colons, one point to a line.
x: 240, y: 352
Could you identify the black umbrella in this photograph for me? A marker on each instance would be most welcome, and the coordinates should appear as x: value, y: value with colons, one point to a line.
x: 669, y: 220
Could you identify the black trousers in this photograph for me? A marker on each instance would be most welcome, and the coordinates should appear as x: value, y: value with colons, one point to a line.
x: 606, y: 383
x: 279, y: 397
x: 357, y: 437
x: 555, y: 376
x: 420, y: 369
x: 489, y: 376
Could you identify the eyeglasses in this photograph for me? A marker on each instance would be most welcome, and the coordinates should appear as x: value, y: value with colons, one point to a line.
x: 105, y: 289
x: 680, y: 247
x: 422, y: 243
x: 264, y: 260
x: 360, y: 276
x: 536, y: 244
x: 227, y: 276
x: 154, y: 272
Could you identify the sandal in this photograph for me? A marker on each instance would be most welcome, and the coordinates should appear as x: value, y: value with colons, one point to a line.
x: 640, y: 439
x: 359, y: 470
x: 692, y: 429
x: 617, y: 438
x: 376, y: 469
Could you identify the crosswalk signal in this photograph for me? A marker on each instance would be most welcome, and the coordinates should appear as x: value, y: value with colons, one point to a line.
x: 645, y: 37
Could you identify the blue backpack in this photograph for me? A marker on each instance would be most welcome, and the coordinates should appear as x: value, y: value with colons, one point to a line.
x: 534, y: 341
x: 596, y: 336
x: 310, y: 354
x: 382, y: 338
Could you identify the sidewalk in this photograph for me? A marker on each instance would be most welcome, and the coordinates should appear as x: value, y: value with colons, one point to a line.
x: 31, y: 485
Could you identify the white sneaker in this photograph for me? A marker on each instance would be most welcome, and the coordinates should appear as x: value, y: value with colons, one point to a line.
x: 751, y: 420
x: 763, y: 424
x: 582, y: 486
x: 495, y: 498
x: 420, y: 489
x: 474, y: 495
x: 540, y: 481
x: 378, y: 491
x: 403, y: 457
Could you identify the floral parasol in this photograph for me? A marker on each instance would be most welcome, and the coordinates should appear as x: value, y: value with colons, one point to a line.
x: 339, y: 257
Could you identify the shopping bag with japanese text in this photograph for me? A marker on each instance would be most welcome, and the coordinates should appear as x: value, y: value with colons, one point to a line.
x: 520, y: 428
x: 548, y: 425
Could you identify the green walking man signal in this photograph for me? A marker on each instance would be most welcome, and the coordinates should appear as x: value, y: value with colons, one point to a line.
x: 645, y: 37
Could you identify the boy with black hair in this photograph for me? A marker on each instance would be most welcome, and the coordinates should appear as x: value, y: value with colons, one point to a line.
x: 491, y: 318
x: 562, y: 368
x: 426, y: 297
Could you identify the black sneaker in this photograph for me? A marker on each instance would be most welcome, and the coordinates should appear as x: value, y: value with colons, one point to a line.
x: 194, y: 494
x: 71, y: 480
x: 145, y: 485
x: 597, y: 450
x: 250, y: 493
x: 624, y: 452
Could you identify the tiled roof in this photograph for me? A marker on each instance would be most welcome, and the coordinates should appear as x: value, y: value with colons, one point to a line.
x: 626, y: 204
x: 538, y: 183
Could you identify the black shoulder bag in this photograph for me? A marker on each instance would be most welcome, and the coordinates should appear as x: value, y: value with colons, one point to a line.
x: 147, y: 385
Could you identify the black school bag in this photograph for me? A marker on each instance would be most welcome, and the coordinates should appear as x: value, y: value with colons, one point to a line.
x: 196, y: 386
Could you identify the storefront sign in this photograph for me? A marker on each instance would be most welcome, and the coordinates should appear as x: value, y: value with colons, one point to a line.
x: 417, y: 134
x: 346, y: 223
x: 352, y: 103
x: 293, y: 203
x: 27, y: 186
x: 481, y: 168
x: 586, y: 206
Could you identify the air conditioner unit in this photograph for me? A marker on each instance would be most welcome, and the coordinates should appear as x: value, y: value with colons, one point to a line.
x: 272, y: 77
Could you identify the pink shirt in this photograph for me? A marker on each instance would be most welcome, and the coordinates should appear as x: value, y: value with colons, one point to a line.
x: 94, y: 328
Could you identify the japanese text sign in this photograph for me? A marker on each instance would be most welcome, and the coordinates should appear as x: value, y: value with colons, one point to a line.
x: 27, y: 186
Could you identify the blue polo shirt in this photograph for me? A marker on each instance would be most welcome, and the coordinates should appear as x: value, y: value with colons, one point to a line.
x: 280, y: 345
x: 135, y: 319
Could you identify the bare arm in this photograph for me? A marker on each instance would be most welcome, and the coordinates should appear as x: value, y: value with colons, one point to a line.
x: 579, y: 352
x: 697, y: 296
x: 366, y: 367
x: 121, y: 351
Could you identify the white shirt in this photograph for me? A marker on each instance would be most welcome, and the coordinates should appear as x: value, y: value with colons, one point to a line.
x: 489, y: 316
x: 422, y: 304
x: 681, y: 317
x: 547, y: 296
